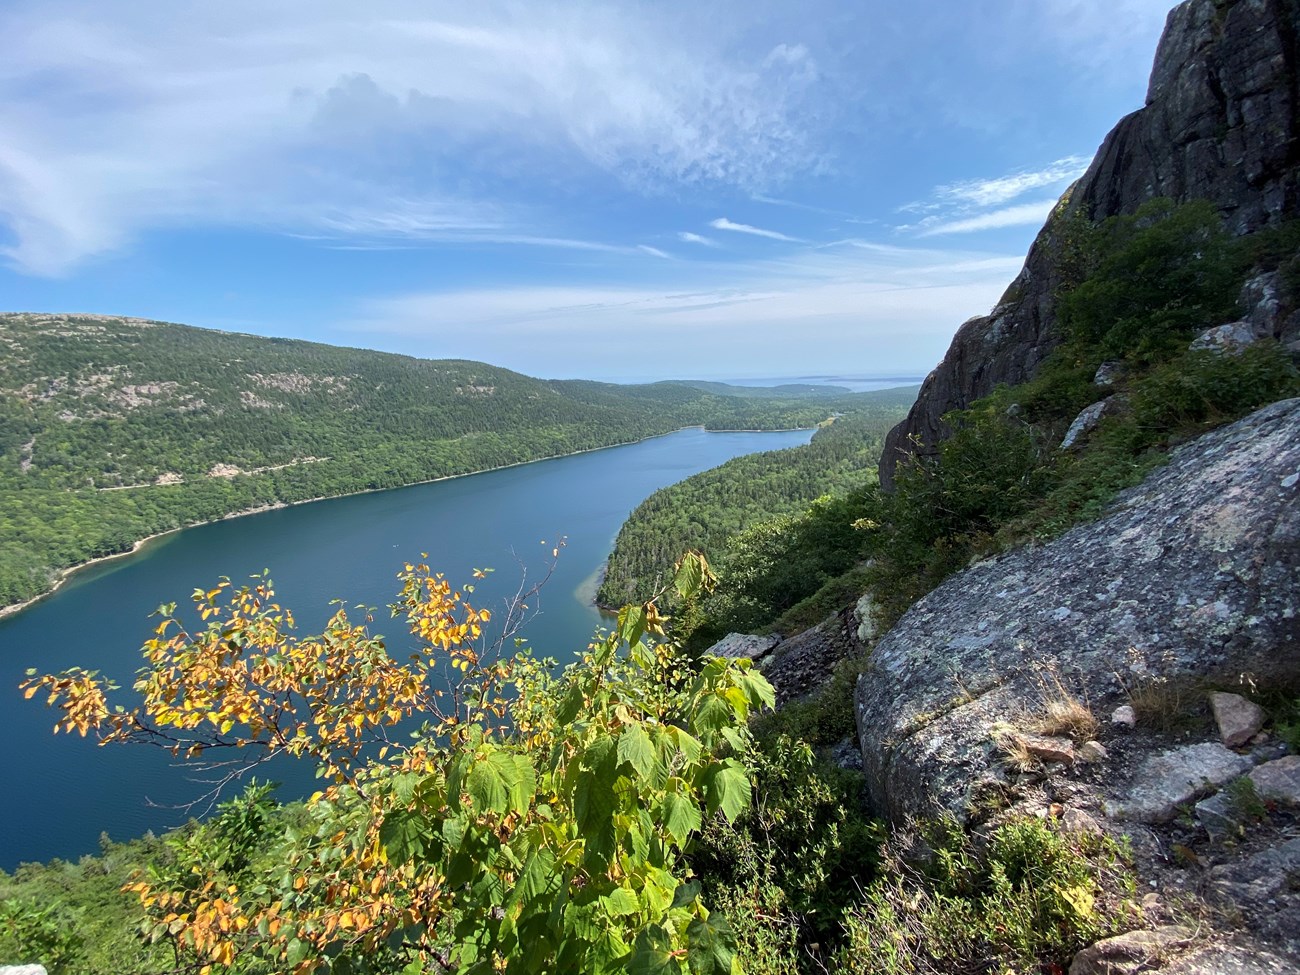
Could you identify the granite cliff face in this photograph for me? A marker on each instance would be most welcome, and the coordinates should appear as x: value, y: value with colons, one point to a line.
x: 1221, y: 122
x: 1193, y: 574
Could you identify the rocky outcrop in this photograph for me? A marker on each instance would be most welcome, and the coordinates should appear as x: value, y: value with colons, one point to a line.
x: 1221, y: 122
x: 1196, y: 572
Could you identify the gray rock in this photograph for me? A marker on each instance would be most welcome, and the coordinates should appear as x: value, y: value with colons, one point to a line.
x: 1109, y: 373
x: 1124, y: 715
x: 1261, y: 888
x: 847, y: 755
x: 1086, y: 422
x: 1229, y: 339
x: 1167, y: 780
x: 738, y: 645
x: 1220, y: 123
x: 1239, y: 720
x: 1078, y: 821
x: 1231, y: 960
x: 1128, y: 954
x: 1279, y: 780
x: 22, y: 970
x: 1198, y: 569
x: 1260, y: 297
x: 1091, y: 752
x: 865, y: 613
x: 801, y: 665
x: 1220, y: 817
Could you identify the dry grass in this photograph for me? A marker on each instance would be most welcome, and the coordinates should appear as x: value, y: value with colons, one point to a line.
x: 1016, y: 753
x: 1064, y: 715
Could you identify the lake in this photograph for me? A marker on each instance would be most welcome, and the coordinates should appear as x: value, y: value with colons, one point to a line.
x: 60, y: 793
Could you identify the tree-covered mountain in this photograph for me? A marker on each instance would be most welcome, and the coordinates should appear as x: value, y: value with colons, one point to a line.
x: 114, y: 429
x: 704, y: 511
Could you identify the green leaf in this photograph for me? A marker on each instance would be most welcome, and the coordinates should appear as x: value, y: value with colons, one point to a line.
x: 295, y: 952
x: 501, y: 782
x: 634, y: 747
x: 571, y: 705
x: 631, y: 624
x: 680, y: 817
x: 620, y: 902
x: 652, y: 955
x: 712, y: 715
x: 710, y: 945
x: 692, y: 575
x: 726, y: 787
x: 686, y: 894
x: 404, y: 836
x: 760, y: 691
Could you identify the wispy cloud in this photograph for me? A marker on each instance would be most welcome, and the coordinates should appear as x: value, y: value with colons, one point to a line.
x: 972, y: 205
x: 900, y: 304
x: 1021, y: 214
x: 722, y: 223
x: 1002, y: 189
x: 121, y: 118
x: 691, y: 238
x: 653, y: 251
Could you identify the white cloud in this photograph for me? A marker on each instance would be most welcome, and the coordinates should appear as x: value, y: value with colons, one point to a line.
x: 121, y: 117
x: 1001, y: 189
x: 653, y: 251
x: 722, y: 223
x: 1015, y: 216
x: 885, y: 307
x: 691, y: 238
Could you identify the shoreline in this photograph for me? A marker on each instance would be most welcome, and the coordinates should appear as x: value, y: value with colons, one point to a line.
x: 64, y: 574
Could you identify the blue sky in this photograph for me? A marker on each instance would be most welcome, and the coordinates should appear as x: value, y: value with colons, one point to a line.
x: 609, y: 190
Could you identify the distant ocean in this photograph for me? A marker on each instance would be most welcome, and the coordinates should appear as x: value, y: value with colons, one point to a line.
x: 854, y: 384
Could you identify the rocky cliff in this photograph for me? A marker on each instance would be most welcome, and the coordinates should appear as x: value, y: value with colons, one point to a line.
x: 1126, y: 678
x: 1221, y: 122
x: 1194, y: 574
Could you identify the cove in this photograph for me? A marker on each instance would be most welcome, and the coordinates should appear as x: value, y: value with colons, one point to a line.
x: 60, y: 793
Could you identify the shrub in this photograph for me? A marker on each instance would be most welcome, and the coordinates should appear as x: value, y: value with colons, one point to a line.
x: 1161, y: 274
x: 788, y: 865
x: 1028, y: 901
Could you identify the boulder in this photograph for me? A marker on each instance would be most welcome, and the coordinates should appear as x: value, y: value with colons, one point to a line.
x: 1086, y: 422
x: 1239, y: 720
x: 1279, y: 780
x: 1109, y: 373
x: 1131, y: 953
x: 737, y: 645
x: 1260, y: 887
x: 1220, y: 816
x: 1197, y: 570
x: 804, y: 663
x: 1229, y: 339
x: 1231, y: 959
x: 1166, y: 780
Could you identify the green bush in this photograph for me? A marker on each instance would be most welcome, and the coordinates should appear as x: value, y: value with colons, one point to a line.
x: 1026, y: 902
x: 46, y: 934
x: 785, y: 868
x: 1160, y: 275
x: 1204, y: 388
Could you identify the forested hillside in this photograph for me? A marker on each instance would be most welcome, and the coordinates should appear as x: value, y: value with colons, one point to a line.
x: 114, y: 429
x: 704, y: 511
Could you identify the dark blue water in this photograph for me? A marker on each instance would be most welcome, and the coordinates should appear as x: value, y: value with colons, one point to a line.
x: 60, y: 793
